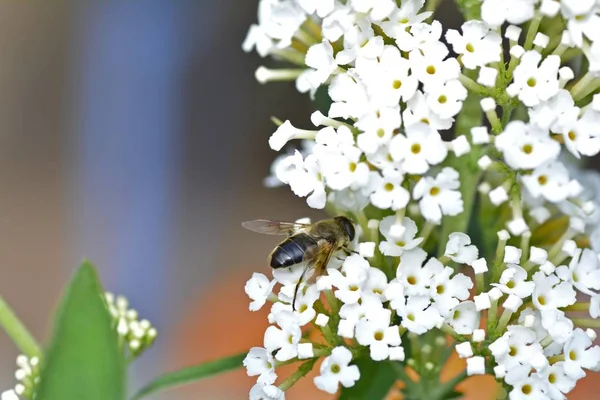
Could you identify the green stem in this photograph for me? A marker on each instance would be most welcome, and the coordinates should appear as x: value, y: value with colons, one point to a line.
x: 586, y: 323
x: 473, y: 86
x: 532, y: 31
x: 581, y: 85
x: 17, y: 331
x: 303, y: 370
x: 578, y: 307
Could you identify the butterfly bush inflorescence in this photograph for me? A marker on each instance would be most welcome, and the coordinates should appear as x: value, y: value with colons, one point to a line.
x: 457, y: 153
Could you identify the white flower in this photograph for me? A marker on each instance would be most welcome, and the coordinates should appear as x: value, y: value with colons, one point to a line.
x: 419, y: 316
x: 349, y: 96
x: 582, y: 19
x: 550, y: 293
x: 304, y: 304
x: 340, y: 160
x: 377, y: 9
x: 555, y: 113
x: 286, y: 132
x: 285, y: 339
x: 376, y: 283
x: 525, y: 387
x: 388, y: 191
x: 478, y: 46
x: 404, y: 17
x: 580, y: 134
x: 446, y: 99
x: 533, y: 84
x: 439, y: 196
x: 514, y: 281
x: 446, y: 292
x: 558, y: 383
x: 369, y: 308
x: 419, y: 111
x: 306, y: 180
x: 526, y: 146
x: 394, y: 246
x: 431, y: 68
x: 579, y: 354
x: 460, y: 250
x: 419, y: 36
x: 379, y: 336
x: 464, y: 318
x: 350, y: 281
x: 9, y: 395
x: 321, y: 7
x: 412, y: 274
x: 266, y: 392
x: 549, y: 181
x: 421, y: 147
x: 335, y: 370
x: 260, y: 362
x: 387, y: 77
x: 516, y: 347
x: 583, y: 271
x: 336, y: 24
x: 278, y: 21
x: 496, y: 12
x: 558, y: 326
x: 319, y: 57
x: 394, y: 293
x: 258, y: 288
x: 359, y: 42
x: 378, y: 127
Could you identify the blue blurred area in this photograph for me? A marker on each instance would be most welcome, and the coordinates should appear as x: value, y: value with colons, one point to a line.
x: 134, y: 134
x: 130, y: 72
x: 130, y: 68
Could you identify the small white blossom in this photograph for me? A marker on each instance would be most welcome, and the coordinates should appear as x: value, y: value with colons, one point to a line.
x: 260, y: 362
x: 439, y: 196
x: 514, y: 281
x: 478, y: 45
x: 258, y: 288
x: 580, y: 354
x: 460, y: 250
x: 388, y: 191
x: 526, y: 146
x: 394, y: 245
x: 496, y: 12
x: 421, y: 147
x: 335, y: 370
x: 464, y: 318
x: 534, y: 84
x: 266, y: 392
x: 379, y: 336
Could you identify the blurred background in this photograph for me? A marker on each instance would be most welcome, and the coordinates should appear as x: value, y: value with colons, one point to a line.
x: 136, y: 136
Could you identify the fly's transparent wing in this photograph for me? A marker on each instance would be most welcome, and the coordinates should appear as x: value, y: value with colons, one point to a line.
x: 269, y: 227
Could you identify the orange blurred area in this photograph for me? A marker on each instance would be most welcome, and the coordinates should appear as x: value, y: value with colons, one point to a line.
x: 220, y: 324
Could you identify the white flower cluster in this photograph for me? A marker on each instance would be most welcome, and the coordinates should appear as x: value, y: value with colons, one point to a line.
x: 363, y: 306
x: 28, y: 376
x: 393, y: 154
x: 137, y: 335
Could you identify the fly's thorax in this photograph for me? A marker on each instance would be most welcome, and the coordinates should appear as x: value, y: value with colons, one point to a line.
x: 331, y: 231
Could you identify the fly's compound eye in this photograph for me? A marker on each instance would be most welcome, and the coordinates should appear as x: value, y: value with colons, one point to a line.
x: 347, y: 225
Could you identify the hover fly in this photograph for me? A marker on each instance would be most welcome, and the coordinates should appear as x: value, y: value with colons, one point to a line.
x: 311, y: 243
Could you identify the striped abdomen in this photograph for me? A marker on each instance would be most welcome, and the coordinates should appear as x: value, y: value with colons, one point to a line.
x: 291, y: 251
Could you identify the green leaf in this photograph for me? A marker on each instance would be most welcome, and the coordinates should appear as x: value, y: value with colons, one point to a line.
x: 84, y: 360
x: 376, y: 380
x: 191, y: 374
